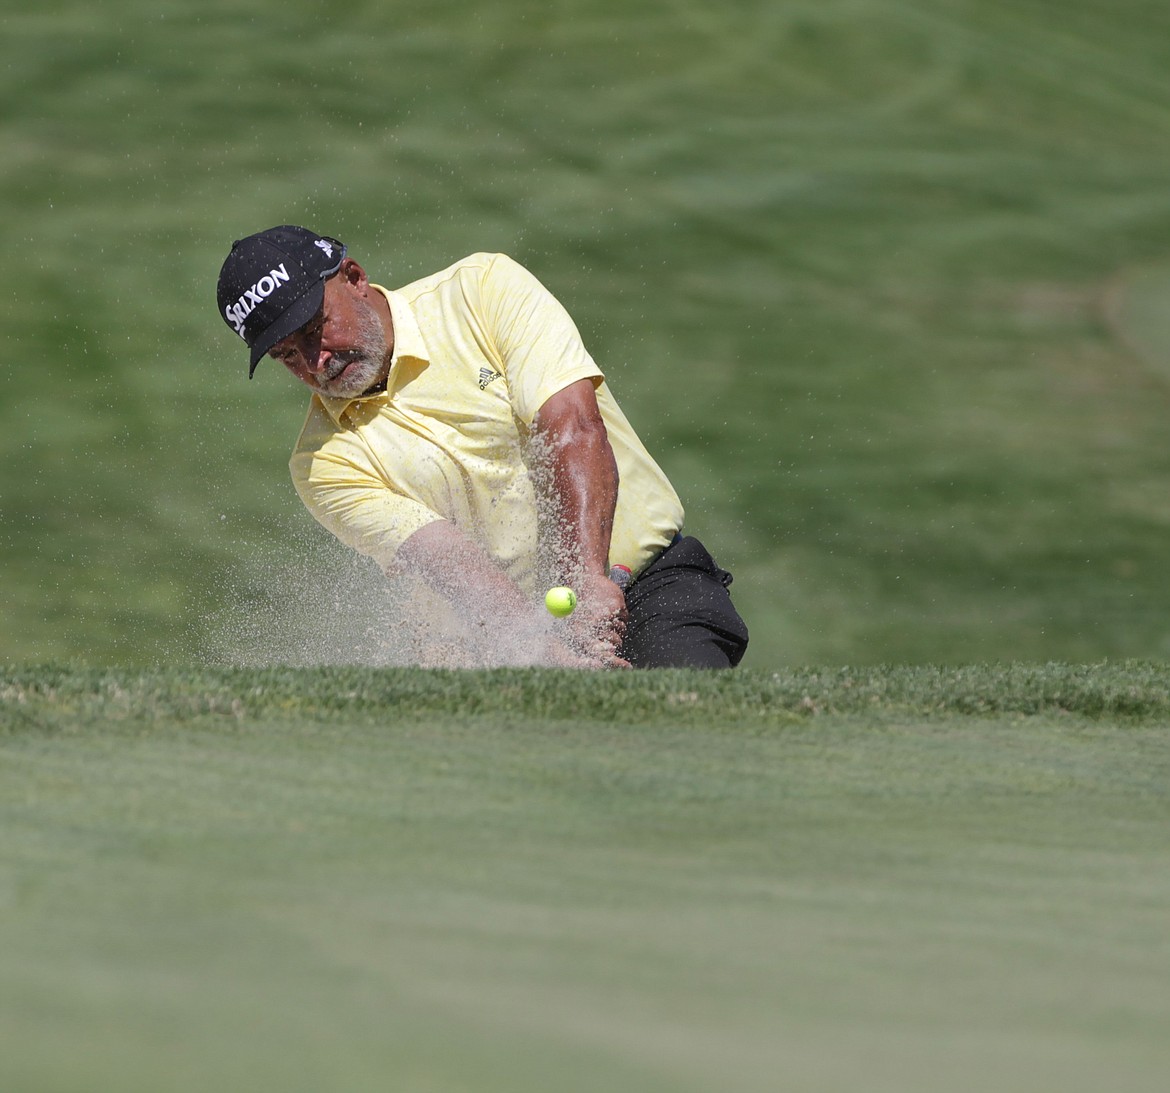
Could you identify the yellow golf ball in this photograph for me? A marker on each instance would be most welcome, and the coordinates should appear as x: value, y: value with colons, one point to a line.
x: 560, y: 601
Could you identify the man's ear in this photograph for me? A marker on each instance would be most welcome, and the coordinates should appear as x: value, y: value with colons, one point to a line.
x: 353, y: 274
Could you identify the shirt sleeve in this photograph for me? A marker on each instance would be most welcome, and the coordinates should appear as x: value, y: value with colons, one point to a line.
x: 536, y: 340
x: 356, y: 505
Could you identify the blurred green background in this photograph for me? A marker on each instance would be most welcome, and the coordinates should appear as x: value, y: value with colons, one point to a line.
x: 882, y: 284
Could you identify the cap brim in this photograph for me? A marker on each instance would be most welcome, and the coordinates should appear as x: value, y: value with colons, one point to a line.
x: 296, y: 316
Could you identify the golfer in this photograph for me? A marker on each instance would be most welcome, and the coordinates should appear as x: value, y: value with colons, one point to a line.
x: 459, y: 431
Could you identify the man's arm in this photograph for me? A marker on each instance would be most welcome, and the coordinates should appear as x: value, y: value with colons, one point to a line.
x: 491, y: 604
x: 579, y: 480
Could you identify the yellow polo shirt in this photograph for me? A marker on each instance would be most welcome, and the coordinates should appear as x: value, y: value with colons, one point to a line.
x: 478, y: 349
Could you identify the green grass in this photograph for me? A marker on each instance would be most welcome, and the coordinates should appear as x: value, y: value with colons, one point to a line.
x: 877, y: 281
x: 67, y: 698
x: 880, y: 282
x: 825, y: 880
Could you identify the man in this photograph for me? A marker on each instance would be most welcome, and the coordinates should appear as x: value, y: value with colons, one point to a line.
x: 459, y: 431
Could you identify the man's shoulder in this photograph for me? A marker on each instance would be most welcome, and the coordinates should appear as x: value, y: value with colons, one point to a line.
x: 469, y: 269
x: 467, y: 275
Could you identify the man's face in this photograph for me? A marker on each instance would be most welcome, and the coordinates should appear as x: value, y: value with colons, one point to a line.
x: 343, y: 351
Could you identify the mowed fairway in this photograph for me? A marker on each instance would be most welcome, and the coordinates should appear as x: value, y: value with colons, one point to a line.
x: 888, y: 880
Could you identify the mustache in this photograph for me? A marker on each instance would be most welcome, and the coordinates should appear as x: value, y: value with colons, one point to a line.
x: 342, y: 360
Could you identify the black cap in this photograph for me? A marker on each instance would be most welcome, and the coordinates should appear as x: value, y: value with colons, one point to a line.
x: 273, y: 283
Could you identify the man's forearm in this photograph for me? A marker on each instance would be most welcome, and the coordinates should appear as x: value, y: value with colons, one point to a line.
x: 495, y: 610
x: 580, y: 479
x: 463, y: 574
x: 585, y: 482
x: 581, y: 485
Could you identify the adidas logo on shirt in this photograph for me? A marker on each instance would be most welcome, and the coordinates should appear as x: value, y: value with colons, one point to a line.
x: 486, y: 375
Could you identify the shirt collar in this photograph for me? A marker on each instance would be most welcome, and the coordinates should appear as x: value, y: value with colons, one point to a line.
x: 409, y: 343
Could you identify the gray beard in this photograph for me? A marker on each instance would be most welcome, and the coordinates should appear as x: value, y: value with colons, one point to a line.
x: 368, y: 361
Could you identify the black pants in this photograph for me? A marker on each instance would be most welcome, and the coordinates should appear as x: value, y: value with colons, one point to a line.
x: 681, y: 614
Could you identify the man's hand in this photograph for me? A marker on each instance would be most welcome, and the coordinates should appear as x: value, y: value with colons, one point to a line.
x: 599, y: 623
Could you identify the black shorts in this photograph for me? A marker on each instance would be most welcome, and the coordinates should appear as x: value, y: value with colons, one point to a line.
x: 681, y: 614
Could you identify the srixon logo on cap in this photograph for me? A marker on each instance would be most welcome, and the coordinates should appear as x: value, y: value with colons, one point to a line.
x: 239, y: 311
